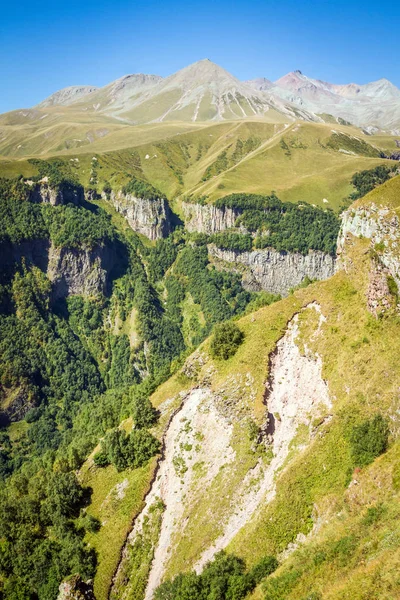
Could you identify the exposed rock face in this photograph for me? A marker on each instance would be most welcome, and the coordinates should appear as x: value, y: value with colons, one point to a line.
x: 65, y: 194
x: 379, y: 299
x: 74, y: 588
x: 200, y: 462
x: 276, y: 272
x: 152, y: 218
x: 15, y: 403
x: 82, y: 271
x: 381, y: 226
x: 208, y: 218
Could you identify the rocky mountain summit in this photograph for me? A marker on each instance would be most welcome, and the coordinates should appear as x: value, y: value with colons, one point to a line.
x: 204, y: 91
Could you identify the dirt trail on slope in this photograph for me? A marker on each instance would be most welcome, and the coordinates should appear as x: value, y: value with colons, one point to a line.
x: 296, y: 393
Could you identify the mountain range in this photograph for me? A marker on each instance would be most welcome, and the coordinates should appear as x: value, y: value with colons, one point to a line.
x: 204, y: 91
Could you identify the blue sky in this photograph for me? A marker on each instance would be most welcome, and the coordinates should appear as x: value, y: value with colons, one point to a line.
x: 45, y: 46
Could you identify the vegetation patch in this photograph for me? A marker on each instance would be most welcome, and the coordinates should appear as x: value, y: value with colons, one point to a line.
x: 283, y: 225
x: 226, y: 340
x: 225, y: 578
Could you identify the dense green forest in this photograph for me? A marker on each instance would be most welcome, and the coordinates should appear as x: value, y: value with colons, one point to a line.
x: 365, y: 181
x: 68, y: 376
x: 65, y: 225
x: 284, y: 226
x: 71, y: 370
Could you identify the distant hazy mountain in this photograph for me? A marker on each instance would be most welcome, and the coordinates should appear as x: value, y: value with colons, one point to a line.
x: 375, y: 104
x: 204, y: 91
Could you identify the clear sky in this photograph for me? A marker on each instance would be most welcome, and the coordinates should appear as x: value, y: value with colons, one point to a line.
x: 45, y: 46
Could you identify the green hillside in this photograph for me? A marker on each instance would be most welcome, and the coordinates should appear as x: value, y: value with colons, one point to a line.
x: 301, y: 162
x: 164, y: 426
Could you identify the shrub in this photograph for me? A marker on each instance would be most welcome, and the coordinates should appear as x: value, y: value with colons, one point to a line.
x: 142, y: 189
x: 144, y: 414
x: 266, y: 566
x: 369, y: 440
x: 127, y: 451
x: 225, y: 578
x: 100, y: 459
x: 226, y: 340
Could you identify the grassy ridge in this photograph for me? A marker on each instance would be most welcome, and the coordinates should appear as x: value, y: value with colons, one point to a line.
x: 304, y: 161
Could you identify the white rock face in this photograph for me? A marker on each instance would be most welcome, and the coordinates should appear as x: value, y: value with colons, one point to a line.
x: 56, y: 195
x: 176, y: 481
x: 152, y: 218
x: 274, y: 271
x: 208, y: 218
x: 381, y: 226
x: 296, y: 393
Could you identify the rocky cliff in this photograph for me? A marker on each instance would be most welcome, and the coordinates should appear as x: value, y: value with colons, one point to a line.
x: 83, y: 271
x: 62, y: 194
x: 380, y: 224
x: 208, y: 218
x: 274, y: 271
x: 152, y: 218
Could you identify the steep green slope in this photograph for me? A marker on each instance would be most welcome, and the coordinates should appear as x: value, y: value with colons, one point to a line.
x: 90, y: 324
x: 303, y: 161
x: 81, y: 355
x: 331, y: 518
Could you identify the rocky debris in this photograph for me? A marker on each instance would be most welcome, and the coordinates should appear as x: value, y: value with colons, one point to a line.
x: 193, y: 365
x: 74, y: 588
x: 63, y: 194
x: 379, y: 299
x: 295, y: 395
x: 235, y: 398
x: 274, y: 271
x: 83, y: 271
x: 197, y: 435
x: 208, y: 218
x: 152, y: 218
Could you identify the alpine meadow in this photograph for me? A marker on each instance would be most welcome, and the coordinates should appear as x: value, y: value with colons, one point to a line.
x: 199, y: 307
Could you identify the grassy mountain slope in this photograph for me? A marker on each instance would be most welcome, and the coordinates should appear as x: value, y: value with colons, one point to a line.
x: 338, y: 535
x: 304, y: 161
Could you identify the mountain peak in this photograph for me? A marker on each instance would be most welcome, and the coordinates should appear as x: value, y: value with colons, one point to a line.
x: 201, y: 72
x: 68, y: 95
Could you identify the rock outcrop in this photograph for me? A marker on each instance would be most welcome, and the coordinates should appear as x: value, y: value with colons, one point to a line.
x: 83, y: 271
x: 15, y: 403
x: 274, y: 271
x: 152, y: 218
x: 63, y: 194
x: 208, y: 218
x: 381, y: 226
x: 74, y: 588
